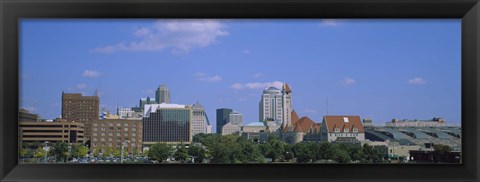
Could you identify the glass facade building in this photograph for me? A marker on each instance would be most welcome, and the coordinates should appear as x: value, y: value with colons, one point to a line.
x: 223, y: 116
x: 168, y: 125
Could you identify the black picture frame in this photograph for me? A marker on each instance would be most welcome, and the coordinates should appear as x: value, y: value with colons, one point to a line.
x: 11, y: 11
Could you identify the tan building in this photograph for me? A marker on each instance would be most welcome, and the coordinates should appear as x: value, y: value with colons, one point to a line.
x: 117, y: 132
x: 78, y: 108
x: 25, y: 116
x: 51, y: 132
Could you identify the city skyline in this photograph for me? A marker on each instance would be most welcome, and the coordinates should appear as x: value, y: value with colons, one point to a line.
x: 371, y: 68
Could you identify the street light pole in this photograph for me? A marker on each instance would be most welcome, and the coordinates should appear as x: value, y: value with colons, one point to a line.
x: 46, y: 152
x: 123, y: 146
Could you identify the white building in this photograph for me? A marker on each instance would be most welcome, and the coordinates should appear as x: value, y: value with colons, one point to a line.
x: 235, y: 118
x: 162, y: 95
x: 128, y: 113
x: 230, y: 128
x: 276, y: 105
x: 200, y: 123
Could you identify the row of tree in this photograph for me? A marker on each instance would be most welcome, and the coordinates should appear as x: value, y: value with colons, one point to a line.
x: 61, y: 151
x: 234, y: 149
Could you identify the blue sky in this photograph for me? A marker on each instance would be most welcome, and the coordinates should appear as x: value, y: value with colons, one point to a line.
x: 379, y: 69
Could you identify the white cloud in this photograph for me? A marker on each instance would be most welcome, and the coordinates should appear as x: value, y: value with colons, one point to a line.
x: 310, y: 111
x: 257, y: 75
x: 90, y: 73
x: 178, y: 35
x: 257, y: 85
x: 204, y: 77
x: 348, y: 82
x: 417, y: 81
x: 82, y: 86
x: 329, y: 22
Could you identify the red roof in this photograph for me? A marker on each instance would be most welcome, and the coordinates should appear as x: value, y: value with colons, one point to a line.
x: 341, y: 123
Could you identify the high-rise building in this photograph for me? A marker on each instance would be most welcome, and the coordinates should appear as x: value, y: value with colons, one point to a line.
x: 223, y: 116
x: 117, y: 132
x: 276, y: 105
x: 169, y: 123
x: 235, y: 118
x: 200, y: 121
x: 82, y: 109
x: 162, y: 95
x: 147, y: 100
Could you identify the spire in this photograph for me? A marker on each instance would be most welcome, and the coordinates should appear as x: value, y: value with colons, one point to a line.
x: 286, y: 88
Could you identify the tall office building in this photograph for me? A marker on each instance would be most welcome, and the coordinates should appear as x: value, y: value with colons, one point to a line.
x: 223, y: 116
x: 200, y: 121
x: 147, y: 100
x: 276, y: 105
x: 170, y: 123
x: 162, y: 95
x: 271, y: 105
x: 82, y: 109
x: 235, y: 118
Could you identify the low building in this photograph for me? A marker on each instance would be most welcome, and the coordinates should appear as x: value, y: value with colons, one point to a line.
x: 229, y: 129
x: 51, y: 132
x: 344, y: 128
x: 25, y: 116
x: 115, y: 132
x: 434, y: 122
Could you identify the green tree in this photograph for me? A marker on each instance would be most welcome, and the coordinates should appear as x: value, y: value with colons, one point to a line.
x: 97, y: 152
x: 107, y: 152
x: 79, y: 151
x: 160, y: 151
x: 26, y: 153
x: 250, y: 151
x: 301, y: 152
x: 371, y: 156
x: 341, y: 155
x: 441, y: 149
x: 40, y: 153
x: 60, y: 151
x: 181, y: 154
x: 197, y: 152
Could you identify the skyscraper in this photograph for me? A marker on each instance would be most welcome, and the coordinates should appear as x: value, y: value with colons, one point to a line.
x: 83, y: 109
x: 162, y: 95
x: 276, y: 105
x: 223, y: 115
x: 270, y: 106
x: 235, y: 118
x: 200, y: 121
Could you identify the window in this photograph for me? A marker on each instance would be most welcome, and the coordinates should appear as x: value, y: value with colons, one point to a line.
x: 337, y: 130
x: 346, y: 130
x: 355, y: 130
